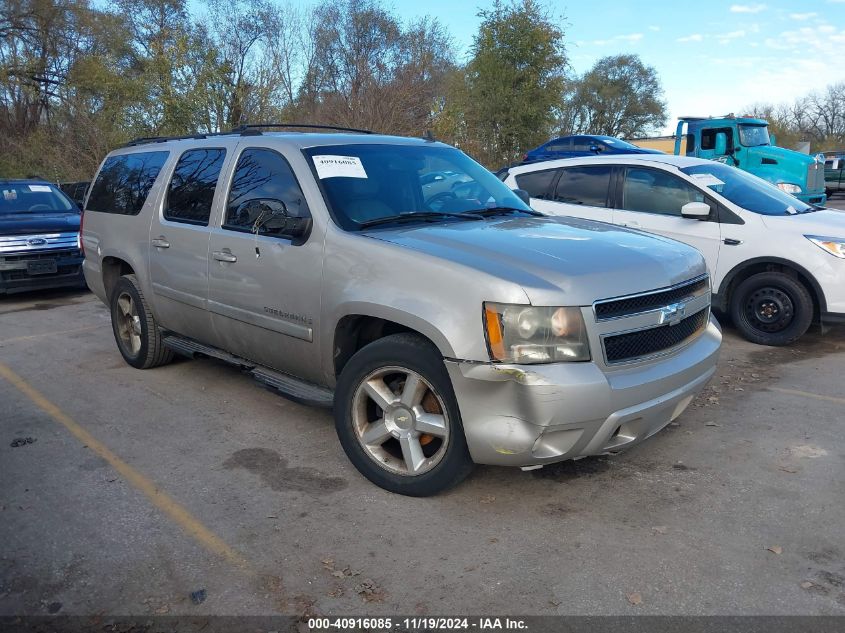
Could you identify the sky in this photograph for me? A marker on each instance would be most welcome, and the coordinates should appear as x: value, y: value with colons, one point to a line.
x: 713, y: 57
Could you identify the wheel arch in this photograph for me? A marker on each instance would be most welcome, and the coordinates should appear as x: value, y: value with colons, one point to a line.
x: 751, y: 267
x: 114, y: 268
x: 356, y: 329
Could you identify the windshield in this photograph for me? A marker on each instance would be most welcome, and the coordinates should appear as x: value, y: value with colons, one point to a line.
x: 33, y: 198
x: 747, y: 191
x: 753, y: 135
x: 618, y: 143
x: 363, y: 183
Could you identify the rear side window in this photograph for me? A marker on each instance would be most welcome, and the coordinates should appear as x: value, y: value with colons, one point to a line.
x: 192, y: 186
x: 124, y: 182
x: 584, y: 185
x: 538, y: 184
x: 262, y: 178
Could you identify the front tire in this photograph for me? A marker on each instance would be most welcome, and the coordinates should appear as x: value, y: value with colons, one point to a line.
x: 772, y: 308
x: 397, y: 417
x: 135, y: 329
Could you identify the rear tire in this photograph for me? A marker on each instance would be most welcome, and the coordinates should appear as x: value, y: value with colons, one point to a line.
x: 135, y: 329
x: 772, y: 308
x: 397, y: 417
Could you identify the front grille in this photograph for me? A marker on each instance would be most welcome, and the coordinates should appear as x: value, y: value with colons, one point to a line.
x: 75, y: 252
x: 18, y: 275
x: 815, y: 177
x: 642, y: 343
x: 625, y: 306
x: 44, y: 241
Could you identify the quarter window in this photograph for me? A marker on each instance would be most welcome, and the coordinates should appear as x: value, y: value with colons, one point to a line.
x: 655, y: 191
x: 538, y: 184
x: 124, y: 182
x: 584, y: 185
x: 192, y: 186
x: 262, y: 180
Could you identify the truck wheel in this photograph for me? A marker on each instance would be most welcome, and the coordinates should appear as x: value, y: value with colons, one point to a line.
x: 397, y: 417
x: 135, y: 329
x: 771, y: 308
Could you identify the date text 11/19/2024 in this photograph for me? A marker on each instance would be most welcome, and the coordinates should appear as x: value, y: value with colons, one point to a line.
x: 376, y: 624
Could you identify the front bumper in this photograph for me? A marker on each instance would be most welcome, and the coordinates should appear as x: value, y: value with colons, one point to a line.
x: 16, y: 270
x: 528, y: 415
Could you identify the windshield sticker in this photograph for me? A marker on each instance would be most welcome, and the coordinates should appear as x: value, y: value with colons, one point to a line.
x: 610, y: 140
x: 40, y: 188
x: 10, y: 194
x: 708, y: 180
x: 329, y: 166
x: 790, y: 210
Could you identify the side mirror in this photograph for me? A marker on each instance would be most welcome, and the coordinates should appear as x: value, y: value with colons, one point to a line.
x: 695, y: 211
x: 596, y: 149
x: 272, y: 218
x: 523, y: 195
x: 772, y: 140
x: 721, y: 144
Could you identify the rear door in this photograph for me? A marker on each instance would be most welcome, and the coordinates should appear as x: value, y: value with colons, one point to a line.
x: 179, y: 236
x: 650, y: 199
x: 264, y: 287
x: 581, y: 191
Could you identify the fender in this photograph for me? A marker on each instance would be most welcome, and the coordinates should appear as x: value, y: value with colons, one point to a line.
x: 721, y: 295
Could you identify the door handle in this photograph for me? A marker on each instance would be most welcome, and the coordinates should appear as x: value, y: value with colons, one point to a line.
x: 732, y: 242
x: 224, y: 256
x: 160, y: 242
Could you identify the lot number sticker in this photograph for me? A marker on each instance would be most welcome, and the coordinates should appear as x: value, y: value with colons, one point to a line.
x: 708, y: 180
x: 329, y: 166
x: 40, y: 188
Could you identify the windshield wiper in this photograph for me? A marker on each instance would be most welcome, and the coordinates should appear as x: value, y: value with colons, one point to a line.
x: 419, y: 215
x: 491, y: 211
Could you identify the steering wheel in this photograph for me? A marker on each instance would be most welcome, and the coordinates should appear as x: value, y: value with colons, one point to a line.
x: 436, y: 202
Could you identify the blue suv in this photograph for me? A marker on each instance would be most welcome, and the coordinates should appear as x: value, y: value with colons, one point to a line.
x: 575, y: 146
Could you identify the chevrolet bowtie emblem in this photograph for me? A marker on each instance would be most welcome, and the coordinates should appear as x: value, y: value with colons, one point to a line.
x: 673, y: 313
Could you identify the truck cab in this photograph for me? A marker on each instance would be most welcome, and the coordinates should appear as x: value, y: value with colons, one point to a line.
x: 746, y: 143
x: 834, y: 173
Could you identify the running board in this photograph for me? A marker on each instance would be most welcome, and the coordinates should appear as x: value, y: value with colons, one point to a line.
x: 286, y: 385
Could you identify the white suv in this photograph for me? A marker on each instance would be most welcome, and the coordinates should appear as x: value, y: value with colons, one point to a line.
x: 775, y: 262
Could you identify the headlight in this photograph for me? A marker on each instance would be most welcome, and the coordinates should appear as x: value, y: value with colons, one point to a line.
x: 526, y: 334
x: 833, y: 245
x: 789, y: 187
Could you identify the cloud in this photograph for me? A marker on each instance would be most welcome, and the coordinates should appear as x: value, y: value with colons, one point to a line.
x: 802, y: 16
x: 695, y: 37
x: 630, y: 37
x: 725, y: 38
x: 654, y: 28
x: 747, y: 8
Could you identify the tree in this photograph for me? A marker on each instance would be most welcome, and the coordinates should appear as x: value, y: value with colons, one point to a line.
x: 618, y: 96
x: 505, y: 102
x: 364, y: 69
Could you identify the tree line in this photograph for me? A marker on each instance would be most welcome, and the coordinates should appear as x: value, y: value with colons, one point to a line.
x: 78, y: 78
x: 818, y: 117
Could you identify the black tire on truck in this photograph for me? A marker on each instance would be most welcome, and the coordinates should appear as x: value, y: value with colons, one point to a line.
x: 397, y: 417
x: 135, y: 329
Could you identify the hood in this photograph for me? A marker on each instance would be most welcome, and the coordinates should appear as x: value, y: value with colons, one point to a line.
x: 33, y: 223
x: 782, y: 155
x: 557, y: 261
x: 826, y: 223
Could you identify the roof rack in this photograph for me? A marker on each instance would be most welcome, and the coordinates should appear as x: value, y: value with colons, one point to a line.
x: 248, y: 129
x: 252, y: 128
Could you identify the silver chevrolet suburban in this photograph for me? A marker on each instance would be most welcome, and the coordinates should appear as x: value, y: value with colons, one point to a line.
x: 446, y: 326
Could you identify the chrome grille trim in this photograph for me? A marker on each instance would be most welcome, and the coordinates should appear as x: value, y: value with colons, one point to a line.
x: 696, y: 290
x: 38, y: 242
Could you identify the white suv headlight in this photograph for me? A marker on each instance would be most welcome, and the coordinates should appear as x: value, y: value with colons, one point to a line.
x: 833, y: 245
x: 526, y: 334
x: 788, y: 187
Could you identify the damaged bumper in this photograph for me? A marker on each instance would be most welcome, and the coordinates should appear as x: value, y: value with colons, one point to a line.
x: 528, y: 415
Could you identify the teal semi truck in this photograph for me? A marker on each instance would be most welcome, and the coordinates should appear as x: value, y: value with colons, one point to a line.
x: 746, y: 143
